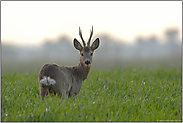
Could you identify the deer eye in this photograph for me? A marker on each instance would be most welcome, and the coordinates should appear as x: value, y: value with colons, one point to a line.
x: 82, y: 54
x: 91, y: 54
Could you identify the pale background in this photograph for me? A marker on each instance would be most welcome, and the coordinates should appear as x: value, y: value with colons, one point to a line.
x: 36, y: 32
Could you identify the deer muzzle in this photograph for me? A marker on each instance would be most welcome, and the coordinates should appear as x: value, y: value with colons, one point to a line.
x: 87, y: 62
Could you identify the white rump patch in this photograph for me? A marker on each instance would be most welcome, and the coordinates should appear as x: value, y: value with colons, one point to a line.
x: 47, y: 81
x: 51, y: 81
x: 44, y: 80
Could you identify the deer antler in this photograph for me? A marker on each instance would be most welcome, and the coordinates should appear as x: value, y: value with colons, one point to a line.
x: 91, y: 33
x: 80, y: 34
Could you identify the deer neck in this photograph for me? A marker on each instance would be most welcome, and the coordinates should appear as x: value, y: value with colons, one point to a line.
x: 82, y: 70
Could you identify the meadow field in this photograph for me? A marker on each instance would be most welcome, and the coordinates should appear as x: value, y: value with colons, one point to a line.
x: 129, y: 94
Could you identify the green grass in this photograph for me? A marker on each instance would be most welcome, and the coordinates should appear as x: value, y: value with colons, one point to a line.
x: 113, y: 95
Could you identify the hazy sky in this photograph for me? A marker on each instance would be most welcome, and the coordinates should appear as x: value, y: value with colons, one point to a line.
x: 31, y: 22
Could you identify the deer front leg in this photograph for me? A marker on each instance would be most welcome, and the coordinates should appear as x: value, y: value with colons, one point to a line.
x: 72, y: 94
x: 60, y: 92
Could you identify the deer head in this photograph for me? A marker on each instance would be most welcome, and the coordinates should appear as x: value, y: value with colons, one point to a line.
x: 86, y: 52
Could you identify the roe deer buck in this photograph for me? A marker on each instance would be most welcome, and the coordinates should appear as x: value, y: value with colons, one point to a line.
x: 55, y: 79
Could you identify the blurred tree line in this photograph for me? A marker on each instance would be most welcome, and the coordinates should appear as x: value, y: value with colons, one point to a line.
x: 109, y: 50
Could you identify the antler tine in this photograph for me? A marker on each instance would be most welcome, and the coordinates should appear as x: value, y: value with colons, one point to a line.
x: 91, y: 33
x: 80, y: 34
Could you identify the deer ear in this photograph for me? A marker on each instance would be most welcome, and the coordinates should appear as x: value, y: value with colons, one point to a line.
x: 95, y: 44
x: 77, y: 45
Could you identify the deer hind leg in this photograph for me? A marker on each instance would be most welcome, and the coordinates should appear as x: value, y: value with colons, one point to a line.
x: 51, y: 91
x: 43, y: 91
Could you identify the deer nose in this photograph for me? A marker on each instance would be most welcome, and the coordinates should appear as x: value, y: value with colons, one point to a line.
x: 87, y: 62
